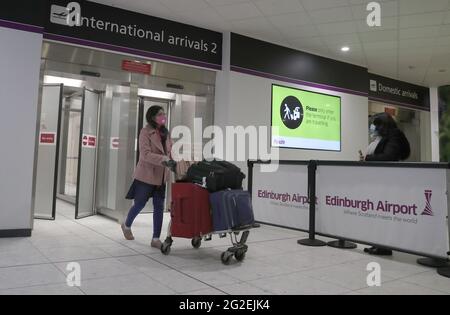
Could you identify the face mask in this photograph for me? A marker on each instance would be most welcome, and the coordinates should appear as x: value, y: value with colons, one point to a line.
x: 161, y: 120
x: 373, y: 130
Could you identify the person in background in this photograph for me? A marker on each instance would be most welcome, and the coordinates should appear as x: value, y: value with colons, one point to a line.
x: 389, y: 144
x: 152, y: 173
x: 375, y: 139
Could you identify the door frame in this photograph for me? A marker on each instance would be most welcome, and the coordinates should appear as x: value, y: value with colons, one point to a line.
x: 58, y: 141
x: 140, y: 125
x: 63, y: 150
x: 80, y: 149
x: 141, y: 116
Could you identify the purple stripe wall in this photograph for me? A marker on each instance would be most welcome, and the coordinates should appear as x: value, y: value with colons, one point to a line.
x: 296, y: 81
x: 71, y: 40
x: 21, y: 27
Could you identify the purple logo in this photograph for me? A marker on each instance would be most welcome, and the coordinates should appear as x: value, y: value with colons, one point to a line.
x: 428, y: 209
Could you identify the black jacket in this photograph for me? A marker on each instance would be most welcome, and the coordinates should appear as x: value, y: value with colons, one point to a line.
x: 392, y: 148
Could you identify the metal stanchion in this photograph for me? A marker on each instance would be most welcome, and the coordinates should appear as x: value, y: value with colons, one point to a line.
x: 312, y: 241
x: 250, y: 165
x: 445, y: 272
x: 343, y: 244
x: 433, y: 262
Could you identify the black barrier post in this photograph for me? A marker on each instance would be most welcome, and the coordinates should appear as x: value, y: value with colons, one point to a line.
x: 312, y: 241
x: 445, y: 272
x: 343, y: 244
x: 250, y: 165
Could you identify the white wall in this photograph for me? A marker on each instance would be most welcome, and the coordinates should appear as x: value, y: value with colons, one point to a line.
x: 434, y: 113
x: 222, y: 93
x: 245, y: 100
x: 248, y: 102
x: 425, y: 136
x: 20, y: 56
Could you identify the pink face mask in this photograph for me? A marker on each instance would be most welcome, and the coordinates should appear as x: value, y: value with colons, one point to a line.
x: 161, y: 120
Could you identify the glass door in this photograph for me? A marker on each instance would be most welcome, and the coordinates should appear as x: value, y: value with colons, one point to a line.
x: 116, y: 155
x: 70, y: 140
x: 48, y: 149
x: 87, y: 157
x: 144, y: 104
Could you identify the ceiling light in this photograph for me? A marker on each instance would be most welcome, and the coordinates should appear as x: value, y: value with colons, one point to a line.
x: 48, y: 79
x: 345, y: 49
x: 156, y: 94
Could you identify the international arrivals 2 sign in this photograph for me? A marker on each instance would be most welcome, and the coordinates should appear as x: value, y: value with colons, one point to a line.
x: 99, y: 26
x: 93, y: 24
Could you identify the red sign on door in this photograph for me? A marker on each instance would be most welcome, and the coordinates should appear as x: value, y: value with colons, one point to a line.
x: 138, y: 67
x: 47, y: 138
x: 89, y: 141
x: 114, y: 143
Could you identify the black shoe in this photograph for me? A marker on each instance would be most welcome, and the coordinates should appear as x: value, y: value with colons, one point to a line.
x: 378, y: 251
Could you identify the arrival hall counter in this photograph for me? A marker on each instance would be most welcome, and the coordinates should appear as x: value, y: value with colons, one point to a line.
x: 402, y: 206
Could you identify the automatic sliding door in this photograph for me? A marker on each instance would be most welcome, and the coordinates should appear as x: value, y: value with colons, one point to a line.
x: 144, y: 105
x: 69, y: 149
x: 47, y: 159
x: 118, y: 121
x: 87, y: 157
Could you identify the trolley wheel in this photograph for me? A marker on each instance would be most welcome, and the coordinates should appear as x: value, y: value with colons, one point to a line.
x: 226, y: 258
x: 240, y: 255
x: 165, y: 248
x: 196, y: 242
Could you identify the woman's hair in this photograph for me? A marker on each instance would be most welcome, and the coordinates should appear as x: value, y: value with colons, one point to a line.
x: 384, y: 123
x: 152, y: 112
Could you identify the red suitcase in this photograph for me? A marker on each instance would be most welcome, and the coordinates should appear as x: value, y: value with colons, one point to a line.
x: 191, y: 211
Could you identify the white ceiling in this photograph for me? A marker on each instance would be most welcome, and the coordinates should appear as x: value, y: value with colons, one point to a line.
x: 412, y: 44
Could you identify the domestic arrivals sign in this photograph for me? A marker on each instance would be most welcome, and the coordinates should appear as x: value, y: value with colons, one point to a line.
x: 392, y: 91
x: 92, y: 24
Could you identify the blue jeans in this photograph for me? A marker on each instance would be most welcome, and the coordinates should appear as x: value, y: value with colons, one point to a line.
x: 142, y: 193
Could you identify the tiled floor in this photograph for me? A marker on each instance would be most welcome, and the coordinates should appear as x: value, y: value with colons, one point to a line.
x: 275, y: 264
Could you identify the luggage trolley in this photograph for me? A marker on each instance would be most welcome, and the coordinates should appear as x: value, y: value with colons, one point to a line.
x: 191, y: 219
x: 238, y: 250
